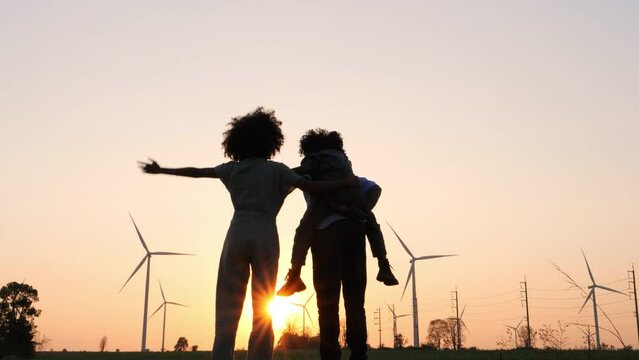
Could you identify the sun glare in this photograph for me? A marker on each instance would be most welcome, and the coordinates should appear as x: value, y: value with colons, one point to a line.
x: 281, y: 310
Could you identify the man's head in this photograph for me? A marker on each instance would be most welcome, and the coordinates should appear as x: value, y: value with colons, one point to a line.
x: 256, y: 134
x: 315, y: 140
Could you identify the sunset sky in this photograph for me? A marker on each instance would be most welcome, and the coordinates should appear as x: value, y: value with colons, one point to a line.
x: 503, y: 131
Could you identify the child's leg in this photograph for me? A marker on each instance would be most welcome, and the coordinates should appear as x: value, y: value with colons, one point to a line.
x: 302, y: 240
x: 301, y: 244
x: 375, y: 237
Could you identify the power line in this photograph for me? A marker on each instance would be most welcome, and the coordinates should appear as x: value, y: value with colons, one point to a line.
x: 493, y: 296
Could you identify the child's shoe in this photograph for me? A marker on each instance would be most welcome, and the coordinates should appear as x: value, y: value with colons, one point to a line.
x: 293, y: 283
x: 385, y: 273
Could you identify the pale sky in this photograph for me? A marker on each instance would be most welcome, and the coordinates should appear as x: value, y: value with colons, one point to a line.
x: 503, y: 131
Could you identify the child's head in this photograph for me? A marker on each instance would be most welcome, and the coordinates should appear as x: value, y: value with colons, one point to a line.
x: 256, y: 134
x: 320, y: 139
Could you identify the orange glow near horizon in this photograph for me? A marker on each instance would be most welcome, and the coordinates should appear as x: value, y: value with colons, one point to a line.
x: 282, y: 312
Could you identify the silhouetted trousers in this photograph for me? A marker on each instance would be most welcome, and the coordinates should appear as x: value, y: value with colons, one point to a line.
x: 251, y: 245
x: 339, y: 262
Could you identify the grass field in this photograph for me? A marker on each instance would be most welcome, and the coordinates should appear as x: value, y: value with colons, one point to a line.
x: 373, y: 355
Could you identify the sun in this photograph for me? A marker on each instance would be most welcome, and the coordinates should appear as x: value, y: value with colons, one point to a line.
x: 281, y: 310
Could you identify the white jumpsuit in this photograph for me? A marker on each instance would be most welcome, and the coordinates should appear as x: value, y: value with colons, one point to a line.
x: 258, y: 188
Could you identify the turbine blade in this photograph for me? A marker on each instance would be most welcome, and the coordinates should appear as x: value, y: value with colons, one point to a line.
x: 432, y: 257
x: 134, y: 271
x: 169, y: 253
x: 308, y: 315
x: 178, y: 304
x: 462, y: 313
x: 158, y: 309
x: 588, y: 266
x: 391, y: 310
x: 411, y: 273
x: 296, y: 304
x: 588, y: 298
x: 400, y: 240
x: 404, y: 315
x: 609, y: 289
x: 466, y: 327
x: 162, y: 291
x: 520, y: 321
x: 139, y: 234
x: 309, y: 298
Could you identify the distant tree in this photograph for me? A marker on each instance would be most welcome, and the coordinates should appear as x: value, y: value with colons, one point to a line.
x: 41, y: 341
x: 182, y: 344
x: 552, y: 338
x: 507, y: 341
x: 194, y: 348
x: 17, y: 319
x: 439, y: 334
x: 291, y: 339
x: 400, y: 341
x: 523, y: 335
x: 103, y: 343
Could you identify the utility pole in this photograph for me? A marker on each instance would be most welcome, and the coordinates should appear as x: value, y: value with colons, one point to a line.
x: 378, y: 318
x: 455, y: 305
x: 523, y: 292
x: 633, y: 293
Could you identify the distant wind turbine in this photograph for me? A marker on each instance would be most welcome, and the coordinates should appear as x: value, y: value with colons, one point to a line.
x: 458, y: 325
x: 305, y: 313
x: 164, y: 305
x: 147, y: 259
x: 592, y: 295
x: 411, y: 274
x: 516, y: 330
x: 395, y: 317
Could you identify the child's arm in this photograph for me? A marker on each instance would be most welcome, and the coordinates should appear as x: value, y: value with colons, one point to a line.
x: 154, y: 168
x: 302, y: 170
x: 325, y: 185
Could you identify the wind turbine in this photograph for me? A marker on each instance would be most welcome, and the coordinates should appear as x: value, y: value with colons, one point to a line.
x: 411, y: 274
x: 458, y: 324
x: 587, y: 333
x: 516, y: 330
x: 305, y: 313
x: 164, y: 304
x: 147, y: 259
x: 395, y: 317
x: 592, y: 295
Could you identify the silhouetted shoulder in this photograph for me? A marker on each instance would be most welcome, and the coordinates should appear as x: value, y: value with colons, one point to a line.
x: 287, y: 178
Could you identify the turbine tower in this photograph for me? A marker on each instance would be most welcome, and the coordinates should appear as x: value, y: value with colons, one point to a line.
x: 164, y: 304
x: 592, y: 295
x: 411, y: 274
x: 147, y: 259
x: 305, y: 313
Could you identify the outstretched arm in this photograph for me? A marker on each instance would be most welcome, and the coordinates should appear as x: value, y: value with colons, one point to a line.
x: 154, y: 168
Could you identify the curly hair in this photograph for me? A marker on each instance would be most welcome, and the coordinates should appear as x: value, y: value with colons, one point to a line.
x: 256, y: 134
x: 320, y: 139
